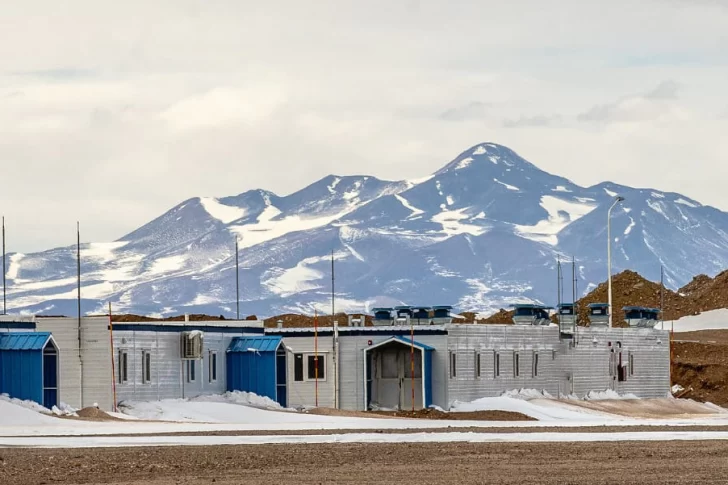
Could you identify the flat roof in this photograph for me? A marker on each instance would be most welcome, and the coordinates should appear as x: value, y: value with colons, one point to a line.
x: 640, y: 308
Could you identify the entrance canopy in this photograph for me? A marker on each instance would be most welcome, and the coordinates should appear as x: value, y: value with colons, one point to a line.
x: 394, y: 383
x: 252, y: 365
x: 29, y: 367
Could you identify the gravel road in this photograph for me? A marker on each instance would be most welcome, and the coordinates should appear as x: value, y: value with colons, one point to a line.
x: 496, y: 463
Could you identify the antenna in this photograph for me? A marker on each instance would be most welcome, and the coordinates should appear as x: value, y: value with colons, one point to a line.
x: 78, y: 277
x: 333, y: 308
x: 5, y: 307
x: 574, y: 283
x: 558, y: 282
x: 662, y: 297
x: 237, y: 279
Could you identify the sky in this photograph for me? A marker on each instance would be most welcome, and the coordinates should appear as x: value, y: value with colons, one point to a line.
x: 111, y: 113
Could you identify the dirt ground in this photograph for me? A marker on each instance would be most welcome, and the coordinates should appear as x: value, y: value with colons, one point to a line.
x: 496, y: 463
x: 700, y: 365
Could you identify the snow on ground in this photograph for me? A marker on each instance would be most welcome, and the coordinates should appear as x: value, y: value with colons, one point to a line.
x: 560, y: 214
x: 451, y: 437
x: 711, y: 320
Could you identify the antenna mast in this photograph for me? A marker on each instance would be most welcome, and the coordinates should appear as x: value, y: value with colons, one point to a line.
x: 5, y: 307
x: 237, y: 280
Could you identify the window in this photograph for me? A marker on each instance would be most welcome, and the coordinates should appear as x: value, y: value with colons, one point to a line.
x: 191, y: 371
x: 535, y: 364
x: 123, y: 367
x: 298, y: 367
x: 516, y: 365
x: 631, y: 364
x: 477, y: 365
x: 497, y: 365
x: 453, y: 365
x: 316, y: 362
x: 212, y: 362
x: 146, y: 366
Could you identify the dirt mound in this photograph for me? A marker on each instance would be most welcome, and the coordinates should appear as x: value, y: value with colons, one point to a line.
x: 431, y: 413
x: 95, y: 414
x: 501, y: 316
x: 696, y: 285
x: 631, y: 289
x: 702, y: 369
x: 291, y: 320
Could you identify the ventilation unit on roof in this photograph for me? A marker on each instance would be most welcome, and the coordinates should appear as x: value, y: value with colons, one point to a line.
x: 191, y: 345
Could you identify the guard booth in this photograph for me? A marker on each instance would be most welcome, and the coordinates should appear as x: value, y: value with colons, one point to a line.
x: 258, y: 365
x: 389, y: 377
x: 29, y: 367
x: 567, y: 319
x: 642, y: 317
x: 598, y: 314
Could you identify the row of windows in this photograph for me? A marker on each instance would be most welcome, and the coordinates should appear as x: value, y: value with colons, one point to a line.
x: 496, y: 365
x: 190, y: 367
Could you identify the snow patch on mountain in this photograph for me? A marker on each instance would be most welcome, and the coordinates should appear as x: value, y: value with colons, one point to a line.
x: 407, y: 205
x: 629, y: 227
x: 451, y: 225
x: 560, y: 214
x: 609, y: 192
x: 222, y: 212
x: 560, y: 188
x: 508, y: 186
x: 481, y: 150
x: 464, y: 163
x: 682, y: 201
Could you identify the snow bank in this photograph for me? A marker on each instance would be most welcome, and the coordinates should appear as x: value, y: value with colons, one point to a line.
x: 712, y: 320
x: 14, y: 412
x: 540, y: 409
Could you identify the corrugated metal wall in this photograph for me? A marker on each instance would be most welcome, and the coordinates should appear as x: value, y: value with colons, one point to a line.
x: 303, y: 393
x: 21, y: 374
x: 563, y: 367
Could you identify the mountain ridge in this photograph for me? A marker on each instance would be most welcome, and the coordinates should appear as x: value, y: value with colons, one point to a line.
x: 483, y: 231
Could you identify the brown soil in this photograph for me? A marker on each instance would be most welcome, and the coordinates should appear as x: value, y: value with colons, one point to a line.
x: 669, y: 462
x: 430, y: 413
x: 702, y: 368
x: 291, y: 320
x: 95, y: 414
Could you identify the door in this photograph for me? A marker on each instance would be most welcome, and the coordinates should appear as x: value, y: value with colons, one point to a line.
x: 388, y: 379
x: 407, y: 380
x: 281, y: 395
x: 50, y: 378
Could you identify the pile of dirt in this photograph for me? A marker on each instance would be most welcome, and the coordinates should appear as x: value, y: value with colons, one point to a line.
x: 129, y: 317
x: 631, y: 289
x: 95, y: 414
x: 701, y: 368
x: 707, y: 293
x: 431, y: 413
x: 291, y: 320
x: 501, y: 316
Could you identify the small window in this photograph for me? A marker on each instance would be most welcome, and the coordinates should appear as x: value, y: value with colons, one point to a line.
x: 535, y: 364
x: 191, y: 371
x: 298, y: 367
x: 316, y: 362
x: 477, y: 365
x: 123, y: 367
x: 516, y: 365
x: 213, y: 366
x: 146, y: 366
x: 453, y: 365
x: 631, y: 364
x: 497, y: 365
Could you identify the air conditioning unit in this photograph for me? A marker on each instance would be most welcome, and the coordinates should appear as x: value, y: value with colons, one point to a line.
x: 191, y: 344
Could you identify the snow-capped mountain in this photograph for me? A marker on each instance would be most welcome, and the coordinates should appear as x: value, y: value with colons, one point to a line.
x: 483, y: 232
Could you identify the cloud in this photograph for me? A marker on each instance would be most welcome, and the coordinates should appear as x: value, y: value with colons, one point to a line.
x: 647, y: 106
x: 538, y: 120
x: 115, y: 112
x: 473, y: 110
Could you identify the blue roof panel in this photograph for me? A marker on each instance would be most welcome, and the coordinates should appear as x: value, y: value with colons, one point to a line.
x: 407, y: 341
x: 24, y: 340
x: 263, y: 343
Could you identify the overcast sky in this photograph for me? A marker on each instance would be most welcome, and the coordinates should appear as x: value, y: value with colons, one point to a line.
x: 113, y: 112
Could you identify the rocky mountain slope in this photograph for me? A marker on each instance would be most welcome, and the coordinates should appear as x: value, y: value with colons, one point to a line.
x: 484, y: 231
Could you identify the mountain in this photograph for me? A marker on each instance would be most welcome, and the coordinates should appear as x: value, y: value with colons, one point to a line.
x: 484, y: 231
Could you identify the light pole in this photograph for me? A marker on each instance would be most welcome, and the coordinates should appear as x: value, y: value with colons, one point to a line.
x: 617, y: 200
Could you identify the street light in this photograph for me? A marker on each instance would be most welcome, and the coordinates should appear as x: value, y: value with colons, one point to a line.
x: 617, y: 200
